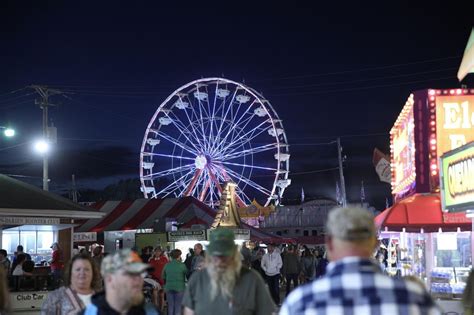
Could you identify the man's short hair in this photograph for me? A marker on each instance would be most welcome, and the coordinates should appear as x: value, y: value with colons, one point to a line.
x: 19, y: 248
x: 124, y: 259
x: 350, y: 224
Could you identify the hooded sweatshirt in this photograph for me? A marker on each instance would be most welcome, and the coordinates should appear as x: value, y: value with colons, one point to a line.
x: 271, y: 263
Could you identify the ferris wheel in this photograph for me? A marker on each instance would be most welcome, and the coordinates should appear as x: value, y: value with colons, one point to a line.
x: 212, y: 131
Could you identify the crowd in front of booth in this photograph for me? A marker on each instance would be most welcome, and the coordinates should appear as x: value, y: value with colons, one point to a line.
x: 226, y: 279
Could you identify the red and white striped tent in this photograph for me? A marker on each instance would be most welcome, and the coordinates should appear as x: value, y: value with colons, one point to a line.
x: 143, y: 213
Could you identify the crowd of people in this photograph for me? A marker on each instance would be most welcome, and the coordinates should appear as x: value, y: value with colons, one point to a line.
x: 344, y: 277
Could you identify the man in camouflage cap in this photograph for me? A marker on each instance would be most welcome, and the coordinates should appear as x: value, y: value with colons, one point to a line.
x: 224, y: 286
x: 123, y: 281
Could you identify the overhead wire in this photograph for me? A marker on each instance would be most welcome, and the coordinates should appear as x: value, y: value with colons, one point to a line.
x: 360, y: 88
x: 363, y: 80
x: 359, y: 70
x: 14, y: 91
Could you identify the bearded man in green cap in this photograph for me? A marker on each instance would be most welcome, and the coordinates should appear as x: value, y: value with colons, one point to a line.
x: 224, y: 286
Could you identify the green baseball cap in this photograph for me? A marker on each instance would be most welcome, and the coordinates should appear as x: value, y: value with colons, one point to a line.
x: 221, y: 242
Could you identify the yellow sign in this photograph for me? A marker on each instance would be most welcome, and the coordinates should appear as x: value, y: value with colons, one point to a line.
x: 454, y: 121
x: 457, y: 179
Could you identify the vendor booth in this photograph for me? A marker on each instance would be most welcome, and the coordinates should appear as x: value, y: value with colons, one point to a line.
x: 419, y: 235
x: 422, y: 240
x: 125, y: 223
x: 35, y: 219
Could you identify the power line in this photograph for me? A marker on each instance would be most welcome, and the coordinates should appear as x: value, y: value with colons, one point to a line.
x: 16, y: 97
x: 321, y: 143
x: 359, y: 70
x: 315, y: 171
x: 361, y: 88
x: 14, y: 91
x: 363, y: 80
x: 17, y: 104
x: 101, y: 109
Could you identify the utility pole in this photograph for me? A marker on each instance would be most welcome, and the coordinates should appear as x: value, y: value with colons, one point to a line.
x: 74, y: 190
x: 341, y: 173
x: 44, y: 103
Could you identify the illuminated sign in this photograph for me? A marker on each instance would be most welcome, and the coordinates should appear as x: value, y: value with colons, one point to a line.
x: 402, y: 147
x: 457, y: 179
x: 454, y: 122
x: 186, y: 235
x: 431, y: 123
x: 84, y: 237
x: 28, y: 221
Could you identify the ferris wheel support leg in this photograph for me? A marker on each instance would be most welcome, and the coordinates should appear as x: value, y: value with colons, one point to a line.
x: 214, y: 179
x: 238, y: 200
x: 204, y: 191
x: 193, y: 183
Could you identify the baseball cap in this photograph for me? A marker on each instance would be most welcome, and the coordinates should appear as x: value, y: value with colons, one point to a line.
x: 351, y: 224
x: 54, y: 244
x: 221, y: 242
x: 124, y: 259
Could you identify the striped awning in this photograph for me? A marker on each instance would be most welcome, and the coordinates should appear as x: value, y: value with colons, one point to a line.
x: 124, y: 215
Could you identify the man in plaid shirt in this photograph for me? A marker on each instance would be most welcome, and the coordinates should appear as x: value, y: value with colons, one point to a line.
x: 354, y: 283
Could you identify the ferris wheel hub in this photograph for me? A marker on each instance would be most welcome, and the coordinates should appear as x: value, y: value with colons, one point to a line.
x: 200, y: 161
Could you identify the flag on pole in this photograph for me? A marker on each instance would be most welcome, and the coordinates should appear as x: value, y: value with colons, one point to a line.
x: 302, y: 195
x: 338, y: 194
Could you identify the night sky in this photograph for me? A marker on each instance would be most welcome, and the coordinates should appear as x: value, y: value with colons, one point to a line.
x: 328, y: 70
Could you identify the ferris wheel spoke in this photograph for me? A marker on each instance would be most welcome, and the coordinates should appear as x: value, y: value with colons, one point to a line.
x: 244, y: 116
x: 181, y: 127
x: 245, y: 198
x: 246, y: 135
x: 201, y: 108
x: 226, y: 111
x: 236, y: 136
x: 262, y: 148
x: 231, y: 148
x: 199, y: 183
x: 175, y: 185
x: 232, y: 129
x: 169, y: 172
x: 247, y: 181
x: 192, y: 121
x: 250, y: 166
x: 172, y: 156
x: 179, y: 144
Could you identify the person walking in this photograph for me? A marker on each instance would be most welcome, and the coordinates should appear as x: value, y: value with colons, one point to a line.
x: 223, y: 286
x: 308, y: 266
x: 4, y: 261
x: 291, y: 268
x: 57, y: 262
x: 271, y: 265
x: 174, y: 275
x: 81, y: 280
x: 123, y: 282
x: 198, y: 260
x: 354, y: 283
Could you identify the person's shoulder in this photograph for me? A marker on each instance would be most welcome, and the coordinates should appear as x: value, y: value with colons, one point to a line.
x: 307, y: 292
x: 199, y: 276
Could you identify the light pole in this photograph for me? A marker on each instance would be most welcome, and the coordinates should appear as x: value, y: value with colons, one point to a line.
x: 44, y: 103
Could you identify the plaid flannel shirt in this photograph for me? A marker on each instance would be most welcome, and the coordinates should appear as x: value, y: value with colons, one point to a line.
x: 358, y: 286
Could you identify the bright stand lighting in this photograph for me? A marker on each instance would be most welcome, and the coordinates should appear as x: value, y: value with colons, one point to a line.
x: 41, y: 146
x: 8, y: 132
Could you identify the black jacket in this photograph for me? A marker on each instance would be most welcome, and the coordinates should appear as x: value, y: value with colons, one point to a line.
x: 104, y: 308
